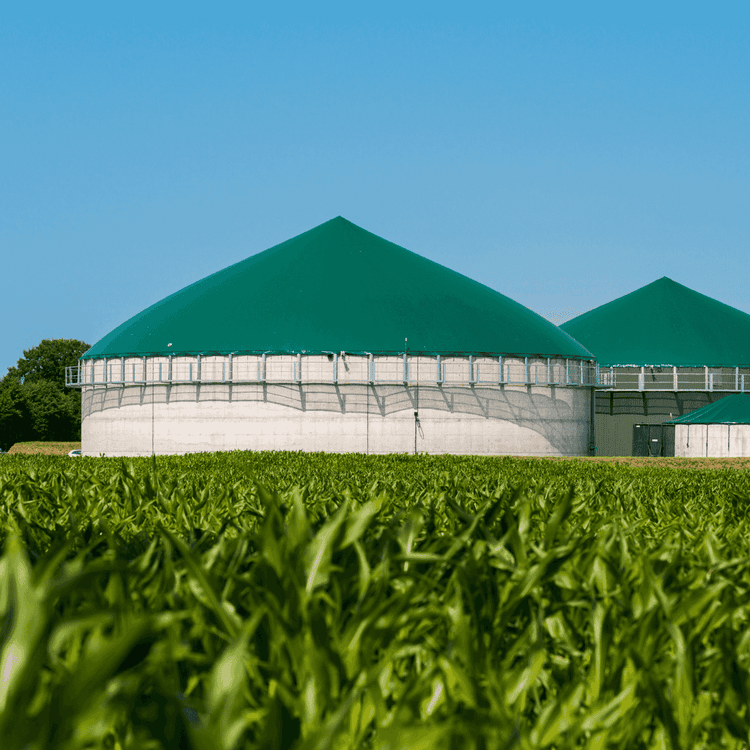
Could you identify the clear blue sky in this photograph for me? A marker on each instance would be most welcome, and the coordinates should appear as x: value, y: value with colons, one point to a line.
x: 562, y: 154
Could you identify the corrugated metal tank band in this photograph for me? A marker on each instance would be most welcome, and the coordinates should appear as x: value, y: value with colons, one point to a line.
x: 338, y: 403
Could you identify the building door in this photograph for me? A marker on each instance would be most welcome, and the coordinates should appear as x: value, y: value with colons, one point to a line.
x: 654, y: 440
x: 640, y: 439
x: 648, y: 440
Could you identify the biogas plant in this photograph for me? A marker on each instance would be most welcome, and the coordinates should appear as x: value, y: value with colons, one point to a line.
x: 337, y: 340
x: 666, y: 355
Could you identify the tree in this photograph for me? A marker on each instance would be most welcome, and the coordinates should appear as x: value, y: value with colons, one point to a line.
x: 15, y: 417
x: 48, y: 361
x: 50, y: 412
x: 34, y: 402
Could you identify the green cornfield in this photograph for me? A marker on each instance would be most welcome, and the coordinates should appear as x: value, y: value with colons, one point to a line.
x: 291, y: 601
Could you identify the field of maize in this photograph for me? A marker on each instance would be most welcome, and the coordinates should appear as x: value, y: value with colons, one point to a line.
x: 291, y: 601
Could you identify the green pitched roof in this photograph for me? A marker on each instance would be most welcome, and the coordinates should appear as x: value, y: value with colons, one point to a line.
x: 733, y: 409
x: 664, y: 324
x: 337, y: 288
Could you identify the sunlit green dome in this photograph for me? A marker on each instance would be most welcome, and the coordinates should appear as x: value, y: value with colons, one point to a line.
x: 734, y: 409
x: 664, y: 324
x: 337, y: 288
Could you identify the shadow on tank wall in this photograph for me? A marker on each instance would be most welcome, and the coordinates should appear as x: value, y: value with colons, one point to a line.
x: 558, y: 415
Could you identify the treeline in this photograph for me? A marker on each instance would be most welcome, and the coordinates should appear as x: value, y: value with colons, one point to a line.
x: 34, y: 402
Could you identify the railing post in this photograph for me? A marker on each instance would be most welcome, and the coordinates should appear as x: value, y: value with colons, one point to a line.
x: 642, y: 379
x: 705, y: 373
x: 406, y: 369
x: 471, y: 369
x: 581, y: 372
x: 122, y: 370
x: 169, y: 369
x: 439, y: 371
x: 199, y: 368
x: 674, y: 378
x: 710, y: 381
x: 231, y: 374
x: 736, y: 378
x: 299, y: 367
x: 567, y: 371
x: 371, y: 365
x: 145, y: 378
x: 526, y: 370
x: 549, y: 371
x: 263, y: 367
x: 500, y: 370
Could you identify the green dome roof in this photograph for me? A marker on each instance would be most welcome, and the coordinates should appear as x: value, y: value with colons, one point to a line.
x: 734, y: 409
x: 336, y: 288
x: 664, y: 324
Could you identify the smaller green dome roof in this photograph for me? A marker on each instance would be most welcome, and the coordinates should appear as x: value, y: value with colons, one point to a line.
x: 664, y: 324
x: 734, y: 409
x: 337, y: 288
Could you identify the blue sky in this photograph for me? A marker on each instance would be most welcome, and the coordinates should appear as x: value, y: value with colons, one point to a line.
x: 562, y: 154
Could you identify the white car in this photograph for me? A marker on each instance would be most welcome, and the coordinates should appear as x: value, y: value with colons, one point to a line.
x: 75, y: 453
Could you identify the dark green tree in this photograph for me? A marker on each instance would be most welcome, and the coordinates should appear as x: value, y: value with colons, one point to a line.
x: 48, y: 361
x: 34, y: 402
x: 50, y: 412
x: 15, y: 417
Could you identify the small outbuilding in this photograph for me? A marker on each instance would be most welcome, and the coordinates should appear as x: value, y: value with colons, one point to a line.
x: 720, y: 429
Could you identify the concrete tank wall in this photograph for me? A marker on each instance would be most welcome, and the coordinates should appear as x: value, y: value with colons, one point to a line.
x: 490, y: 420
x: 713, y: 440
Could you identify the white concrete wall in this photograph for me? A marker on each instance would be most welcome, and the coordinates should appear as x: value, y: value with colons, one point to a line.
x: 723, y: 440
x: 496, y: 420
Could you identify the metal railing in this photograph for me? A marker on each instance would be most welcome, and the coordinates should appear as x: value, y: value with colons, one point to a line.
x: 335, y: 368
x: 705, y: 379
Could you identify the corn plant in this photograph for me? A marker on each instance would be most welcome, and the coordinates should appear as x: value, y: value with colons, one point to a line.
x: 308, y: 602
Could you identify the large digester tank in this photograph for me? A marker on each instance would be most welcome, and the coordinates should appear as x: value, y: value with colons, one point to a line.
x: 336, y: 340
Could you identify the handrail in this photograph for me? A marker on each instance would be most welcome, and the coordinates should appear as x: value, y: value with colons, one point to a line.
x: 405, y: 368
